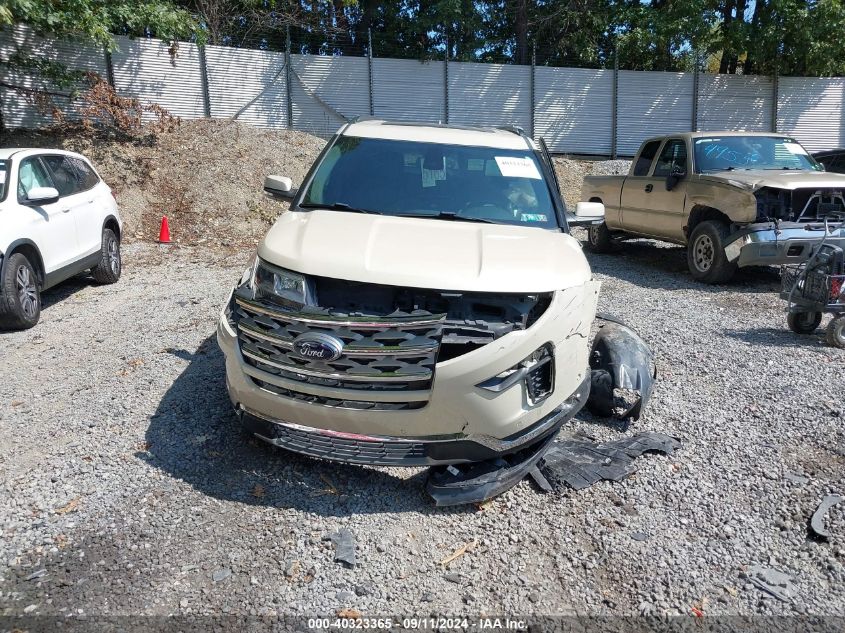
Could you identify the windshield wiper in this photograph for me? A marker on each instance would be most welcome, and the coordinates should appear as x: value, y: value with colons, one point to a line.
x: 446, y: 215
x: 339, y: 206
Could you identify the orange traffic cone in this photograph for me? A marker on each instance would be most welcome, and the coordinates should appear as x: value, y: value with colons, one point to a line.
x: 164, y: 233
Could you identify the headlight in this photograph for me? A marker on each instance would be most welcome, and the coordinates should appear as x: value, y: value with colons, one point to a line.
x: 279, y: 285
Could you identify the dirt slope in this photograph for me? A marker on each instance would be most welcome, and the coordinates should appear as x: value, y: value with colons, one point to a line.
x: 206, y: 176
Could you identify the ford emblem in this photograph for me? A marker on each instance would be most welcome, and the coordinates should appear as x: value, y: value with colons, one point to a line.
x: 317, y: 346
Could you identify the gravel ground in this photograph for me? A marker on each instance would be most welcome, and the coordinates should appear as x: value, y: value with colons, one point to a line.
x: 126, y: 480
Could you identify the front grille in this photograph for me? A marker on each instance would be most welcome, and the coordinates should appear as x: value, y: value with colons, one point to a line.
x: 343, y: 403
x: 345, y: 448
x: 395, y: 352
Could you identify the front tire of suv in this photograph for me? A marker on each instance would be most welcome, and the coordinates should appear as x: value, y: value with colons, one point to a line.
x: 20, y: 297
x: 598, y: 238
x: 110, y: 266
x: 706, y: 253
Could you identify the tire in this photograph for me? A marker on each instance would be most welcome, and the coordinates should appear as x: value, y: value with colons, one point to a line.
x: 598, y: 238
x: 20, y: 296
x: 110, y: 266
x: 706, y: 253
x: 803, y: 322
x: 835, y: 333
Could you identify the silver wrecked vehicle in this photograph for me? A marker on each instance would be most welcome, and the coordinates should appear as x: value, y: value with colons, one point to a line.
x: 422, y: 303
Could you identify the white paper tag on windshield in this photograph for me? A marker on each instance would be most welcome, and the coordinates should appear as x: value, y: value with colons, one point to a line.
x: 795, y: 148
x: 2, y: 177
x: 517, y: 167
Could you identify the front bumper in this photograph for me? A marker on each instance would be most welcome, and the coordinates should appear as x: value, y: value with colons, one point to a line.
x: 788, y: 243
x: 458, y: 422
x: 398, y: 451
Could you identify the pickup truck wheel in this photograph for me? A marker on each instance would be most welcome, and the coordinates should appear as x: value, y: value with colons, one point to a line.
x: 706, y: 253
x: 836, y: 332
x: 20, y: 298
x: 598, y: 238
x: 803, y: 322
x: 108, y: 270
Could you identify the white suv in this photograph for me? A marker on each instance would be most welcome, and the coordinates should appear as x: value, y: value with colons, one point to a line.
x: 57, y: 219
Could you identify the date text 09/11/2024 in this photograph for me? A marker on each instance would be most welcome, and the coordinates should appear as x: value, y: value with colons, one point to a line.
x: 424, y: 623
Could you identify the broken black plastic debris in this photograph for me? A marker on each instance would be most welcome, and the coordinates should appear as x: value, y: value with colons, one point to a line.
x: 623, y: 371
x: 773, y: 582
x: 579, y: 463
x: 817, y: 520
x: 344, y: 546
x: 480, y: 481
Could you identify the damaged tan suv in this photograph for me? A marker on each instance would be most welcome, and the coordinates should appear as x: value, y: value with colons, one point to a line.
x: 422, y: 303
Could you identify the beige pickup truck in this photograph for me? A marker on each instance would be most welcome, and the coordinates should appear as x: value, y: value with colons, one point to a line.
x: 734, y: 199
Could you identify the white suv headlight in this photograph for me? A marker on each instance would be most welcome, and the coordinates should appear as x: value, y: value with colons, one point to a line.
x: 279, y: 285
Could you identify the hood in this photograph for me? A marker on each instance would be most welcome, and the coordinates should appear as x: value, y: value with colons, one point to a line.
x: 425, y: 253
x: 786, y: 179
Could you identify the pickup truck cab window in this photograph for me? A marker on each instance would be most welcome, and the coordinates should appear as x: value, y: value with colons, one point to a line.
x: 727, y: 153
x: 673, y: 158
x: 410, y: 178
x: 646, y: 158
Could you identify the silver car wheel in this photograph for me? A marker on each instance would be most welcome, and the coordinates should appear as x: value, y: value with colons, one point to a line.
x: 703, y: 253
x: 27, y: 292
x: 113, y: 251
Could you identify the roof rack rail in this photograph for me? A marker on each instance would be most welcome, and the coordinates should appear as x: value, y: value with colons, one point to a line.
x: 515, y: 129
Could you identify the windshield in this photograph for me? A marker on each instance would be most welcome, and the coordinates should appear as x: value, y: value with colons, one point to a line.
x: 751, y: 152
x: 406, y: 178
x: 4, y: 175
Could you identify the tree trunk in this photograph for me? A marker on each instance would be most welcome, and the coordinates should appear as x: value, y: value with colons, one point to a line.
x: 521, y: 28
x: 727, y: 25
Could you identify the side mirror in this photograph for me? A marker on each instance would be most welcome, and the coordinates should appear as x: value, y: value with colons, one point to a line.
x: 677, y: 175
x: 280, y: 186
x: 586, y: 213
x: 823, y: 166
x: 42, y: 195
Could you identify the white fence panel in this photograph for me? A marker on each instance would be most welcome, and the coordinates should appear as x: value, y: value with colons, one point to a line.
x: 574, y: 109
x: 735, y: 102
x: 258, y: 94
x: 490, y: 94
x: 812, y: 111
x: 17, y: 110
x: 409, y: 90
x: 327, y: 91
x: 146, y: 69
x: 651, y: 104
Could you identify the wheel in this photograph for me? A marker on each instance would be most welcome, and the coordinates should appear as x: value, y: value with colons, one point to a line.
x: 20, y: 298
x: 836, y: 332
x: 803, y: 322
x: 706, y: 253
x: 108, y: 270
x: 598, y: 238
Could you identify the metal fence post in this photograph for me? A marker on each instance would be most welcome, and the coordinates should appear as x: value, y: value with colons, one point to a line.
x: 695, y: 94
x: 446, y: 82
x: 287, y: 78
x: 109, y: 67
x: 206, y: 97
x: 533, y: 84
x: 775, y: 102
x: 370, y: 69
x: 615, y: 103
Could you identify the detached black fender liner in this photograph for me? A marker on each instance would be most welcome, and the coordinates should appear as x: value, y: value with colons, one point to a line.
x: 623, y: 371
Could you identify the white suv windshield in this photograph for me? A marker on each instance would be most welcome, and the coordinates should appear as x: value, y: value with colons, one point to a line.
x: 405, y: 178
x: 751, y: 152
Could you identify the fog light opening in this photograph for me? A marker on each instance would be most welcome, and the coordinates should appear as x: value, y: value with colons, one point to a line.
x: 536, y: 372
